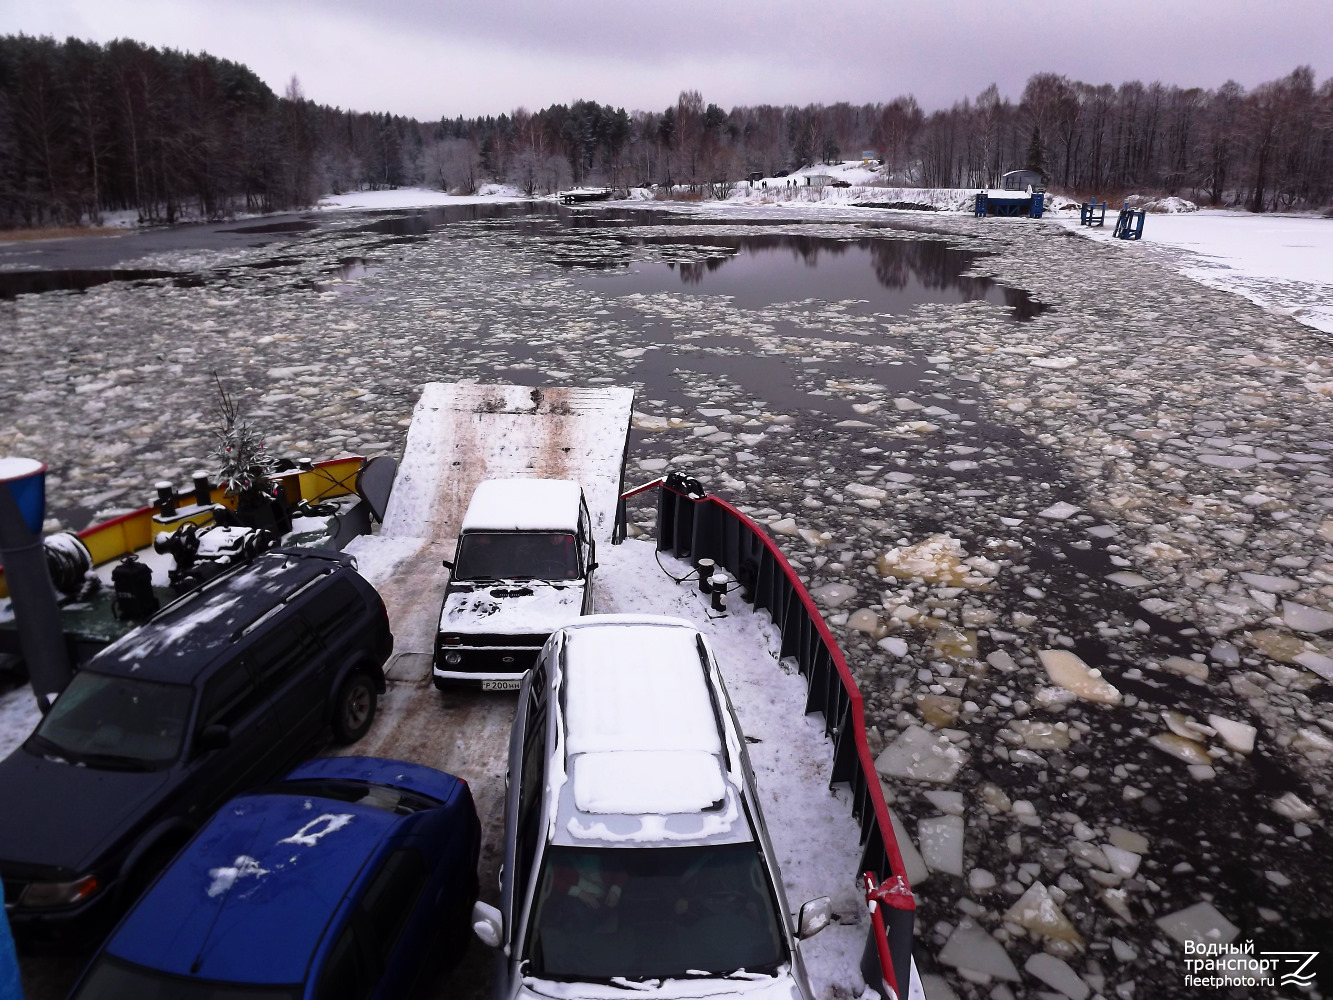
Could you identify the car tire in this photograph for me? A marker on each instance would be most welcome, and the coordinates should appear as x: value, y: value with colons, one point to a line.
x: 354, y: 708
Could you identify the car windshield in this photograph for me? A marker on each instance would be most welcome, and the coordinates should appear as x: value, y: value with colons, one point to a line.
x: 653, y: 913
x: 517, y: 555
x: 115, y: 722
x: 115, y: 979
x: 365, y: 793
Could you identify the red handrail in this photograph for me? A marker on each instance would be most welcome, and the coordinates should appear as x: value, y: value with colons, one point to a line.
x: 895, y: 891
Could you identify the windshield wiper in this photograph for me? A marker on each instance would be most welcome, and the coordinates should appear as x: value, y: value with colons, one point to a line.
x: 50, y: 748
x: 115, y: 762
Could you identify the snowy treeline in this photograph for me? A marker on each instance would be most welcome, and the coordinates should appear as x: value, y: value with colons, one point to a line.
x: 1269, y: 148
x: 86, y: 129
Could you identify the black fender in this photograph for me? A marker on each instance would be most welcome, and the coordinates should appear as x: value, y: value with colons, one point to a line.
x: 367, y: 666
x: 175, y: 832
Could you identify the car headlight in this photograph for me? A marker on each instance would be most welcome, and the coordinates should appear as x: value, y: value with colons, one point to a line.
x: 44, y: 894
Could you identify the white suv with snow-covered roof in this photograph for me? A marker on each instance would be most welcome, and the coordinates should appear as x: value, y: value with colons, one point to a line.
x: 635, y: 850
x: 523, y: 568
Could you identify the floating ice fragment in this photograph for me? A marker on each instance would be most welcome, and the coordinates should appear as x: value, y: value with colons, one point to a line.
x: 1279, y: 645
x: 1200, y: 923
x: 938, y: 560
x: 1271, y: 584
x: 783, y: 526
x: 1225, y: 653
x: 949, y: 803
x: 906, y: 404
x: 1312, y: 741
x: 941, y: 839
x: 1071, y: 673
x: 1237, y: 735
x: 1122, y: 863
x: 863, y: 620
x: 893, y: 645
x: 653, y: 464
x: 1317, y: 662
x: 1157, y: 606
x: 979, y: 880
x: 913, y: 867
x: 1186, y: 728
x: 1053, y: 697
x: 650, y: 422
x: 866, y: 492
x: 1038, y: 735
x: 1038, y: 912
x: 1180, y: 748
x: 934, y: 986
x: 1059, y: 511
x: 1186, y: 667
x: 971, y: 947
x: 1128, y: 579
x: 1056, y: 363
x: 939, y: 710
x: 1303, y: 618
x: 1057, y: 974
x: 833, y: 595
x: 1123, y: 951
x: 813, y: 537
x: 1228, y: 461
x: 1117, y: 900
x: 921, y: 756
x: 1127, y: 840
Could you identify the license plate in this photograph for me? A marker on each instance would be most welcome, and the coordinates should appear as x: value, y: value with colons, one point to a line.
x: 504, y: 685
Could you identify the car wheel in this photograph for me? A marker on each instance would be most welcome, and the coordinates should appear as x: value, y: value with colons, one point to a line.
x: 354, y: 709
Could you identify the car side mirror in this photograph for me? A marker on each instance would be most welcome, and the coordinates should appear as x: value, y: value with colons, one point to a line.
x: 447, y: 564
x: 487, y: 924
x: 815, y: 915
x: 215, y: 737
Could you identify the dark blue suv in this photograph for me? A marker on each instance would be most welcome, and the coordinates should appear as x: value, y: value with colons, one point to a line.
x: 222, y: 690
x: 351, y: 878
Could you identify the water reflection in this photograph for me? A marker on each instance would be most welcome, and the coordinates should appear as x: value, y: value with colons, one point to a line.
x: 419, y: 222
x: 16, y: 283
x: 298, y: 226
x: 756, y: 271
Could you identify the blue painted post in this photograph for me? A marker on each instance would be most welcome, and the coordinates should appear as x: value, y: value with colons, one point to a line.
x: 1038, y: 200
x: 980, y: 208
x: 10, y: 986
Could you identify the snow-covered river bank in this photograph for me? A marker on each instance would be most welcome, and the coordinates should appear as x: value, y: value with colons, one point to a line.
x: 1139, y: 477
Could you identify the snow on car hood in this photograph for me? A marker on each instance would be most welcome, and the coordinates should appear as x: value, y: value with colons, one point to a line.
x: 530, y: 606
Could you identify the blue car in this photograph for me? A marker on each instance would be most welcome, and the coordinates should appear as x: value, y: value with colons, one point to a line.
x: 353, y: 877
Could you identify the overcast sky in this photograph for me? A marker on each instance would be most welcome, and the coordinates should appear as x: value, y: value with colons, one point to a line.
x: 434, y: 58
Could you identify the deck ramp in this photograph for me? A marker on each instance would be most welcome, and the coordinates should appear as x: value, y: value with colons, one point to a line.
x: 463, y: 434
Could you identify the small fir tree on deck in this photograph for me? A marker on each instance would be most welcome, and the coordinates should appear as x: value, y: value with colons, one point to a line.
x: 240, y: 451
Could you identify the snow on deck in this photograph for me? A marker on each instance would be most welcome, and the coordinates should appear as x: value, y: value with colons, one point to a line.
x: 464, y: 434
x: 813, y: 833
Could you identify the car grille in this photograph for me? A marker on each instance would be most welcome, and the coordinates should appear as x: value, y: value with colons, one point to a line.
x: 498, y: 639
